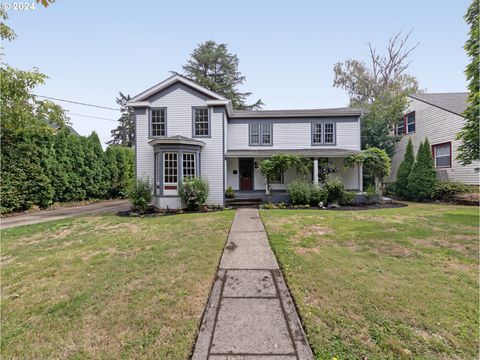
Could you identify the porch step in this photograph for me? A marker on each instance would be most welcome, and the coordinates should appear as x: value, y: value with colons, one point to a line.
x: 235, y: 203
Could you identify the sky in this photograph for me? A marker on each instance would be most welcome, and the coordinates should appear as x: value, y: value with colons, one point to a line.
x: 91, y: 50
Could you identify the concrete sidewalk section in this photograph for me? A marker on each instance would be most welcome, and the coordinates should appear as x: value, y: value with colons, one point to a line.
x: 250, y: 314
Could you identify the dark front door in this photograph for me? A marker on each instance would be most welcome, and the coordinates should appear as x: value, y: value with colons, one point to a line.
x: 245, y: 167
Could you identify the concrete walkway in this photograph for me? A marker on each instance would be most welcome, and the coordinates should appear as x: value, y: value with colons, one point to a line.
x: 62, y: 213
x: 250, y: 314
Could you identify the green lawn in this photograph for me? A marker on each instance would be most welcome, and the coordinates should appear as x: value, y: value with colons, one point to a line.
x: 108, y: 287
x: 389, y: 284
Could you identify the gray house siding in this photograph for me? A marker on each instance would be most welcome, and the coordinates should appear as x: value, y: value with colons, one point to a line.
x: 439, y: 126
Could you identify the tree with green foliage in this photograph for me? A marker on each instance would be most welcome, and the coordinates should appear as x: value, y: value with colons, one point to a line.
x: 404, y: 170
x: 213, y: 67
x: 75, y: 190
x: 381, y: 88
x: 124, y: 133
x: 423, y: 177
x: 468, y: 151
x: 376, y: 166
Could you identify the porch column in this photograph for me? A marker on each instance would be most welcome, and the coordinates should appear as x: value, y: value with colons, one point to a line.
x: 360, y: 177
x: 315, y: 170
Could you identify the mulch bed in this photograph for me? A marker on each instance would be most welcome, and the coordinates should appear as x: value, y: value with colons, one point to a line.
x: 153, y: 212
x: 387, y: 205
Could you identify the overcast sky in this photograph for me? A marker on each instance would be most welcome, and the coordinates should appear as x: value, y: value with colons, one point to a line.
x: 91, y: 50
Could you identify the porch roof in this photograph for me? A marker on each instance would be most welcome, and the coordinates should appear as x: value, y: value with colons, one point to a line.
x: 320, y: 152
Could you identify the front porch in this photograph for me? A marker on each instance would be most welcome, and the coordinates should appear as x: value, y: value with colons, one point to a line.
x: 244, y: 177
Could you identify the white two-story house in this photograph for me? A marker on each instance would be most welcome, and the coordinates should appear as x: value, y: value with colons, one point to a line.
x: 183, y: 129
x: 438, y: 117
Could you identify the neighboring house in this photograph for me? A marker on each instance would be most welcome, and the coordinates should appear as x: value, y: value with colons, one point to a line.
x: 438, y: 117
x: 183, y: 129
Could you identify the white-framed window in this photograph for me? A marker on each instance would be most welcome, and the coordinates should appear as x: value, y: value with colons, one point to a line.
x: 400, y: 127
x: 157, y: 122
x: 278, y: 178
x: 442, y: 153
x: 410, y: 118
x: 261, y: 134
x: 201, y: 123
x: 188, y: 165
x: 329, y: 131
x: 317, y: 133
x: 323, y: 133
x: 170, y: 168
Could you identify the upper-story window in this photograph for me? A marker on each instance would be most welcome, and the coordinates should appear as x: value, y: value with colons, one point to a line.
x: 442, y: 153
x: 158, y: 122
x: 410, y: 118
x: 323, y: 133
x: 400, y: 127
x: 406, y: 125
x: 201, y: 122
x: 261, y: 134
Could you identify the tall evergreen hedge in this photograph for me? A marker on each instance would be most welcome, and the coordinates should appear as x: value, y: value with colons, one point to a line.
x: 404, y: 171
x: 423, y: 177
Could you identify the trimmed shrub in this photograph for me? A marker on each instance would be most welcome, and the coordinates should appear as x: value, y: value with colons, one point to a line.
x: 335, y: 190
x: 318, y: 194
x: 299, y: 192
x: 404, y: 170
x: 423, y: 178
x: 194, y: 192
x: 347, y: 197
x: 446, y: 191
x: 140, y: 195
x: 372, y: 195
x: 229, y: 193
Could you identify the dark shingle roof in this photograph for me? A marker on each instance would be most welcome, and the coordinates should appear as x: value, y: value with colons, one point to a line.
x: 345, y: 111
x: 453, y: 102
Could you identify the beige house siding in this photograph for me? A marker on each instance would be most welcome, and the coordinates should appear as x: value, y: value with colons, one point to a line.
x: 439, y: 126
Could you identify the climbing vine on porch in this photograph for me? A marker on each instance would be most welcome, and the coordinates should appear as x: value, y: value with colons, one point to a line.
x: 279, y: 163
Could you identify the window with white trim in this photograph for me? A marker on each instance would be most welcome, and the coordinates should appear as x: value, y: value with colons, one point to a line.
x: 157, y: 119
x: 277, y: 178
x: 201, y: 122
x: 317, y: 133
x: 261, y: 134
x: 188, y: 165
x: 442, y: 153
x: 323, y: 133
x: 329, y: 130
x: 410, y: 122
x: 170, y: 168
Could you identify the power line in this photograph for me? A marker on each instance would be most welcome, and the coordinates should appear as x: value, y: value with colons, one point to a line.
x: 93, y: 117
x: 77, y: 102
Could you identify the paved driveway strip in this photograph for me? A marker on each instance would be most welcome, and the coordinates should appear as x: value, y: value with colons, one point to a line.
x: 250, y: 314
x: 64, y: 212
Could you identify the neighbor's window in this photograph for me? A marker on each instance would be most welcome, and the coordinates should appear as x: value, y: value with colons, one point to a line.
x: 188, y: 165
x: 200, y: 122
x: 261, y: 134
x: 277, y: 178
x: 323, y: 133
x: 170, y: 174
x: 400, y: 127
x: 410, y: 122
x: 442, y: 153
x: 158, y: 122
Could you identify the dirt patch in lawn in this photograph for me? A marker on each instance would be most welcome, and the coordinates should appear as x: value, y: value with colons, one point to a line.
x: 311, y: 231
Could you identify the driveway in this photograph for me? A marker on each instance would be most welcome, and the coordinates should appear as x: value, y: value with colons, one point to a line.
x: 62, y: 213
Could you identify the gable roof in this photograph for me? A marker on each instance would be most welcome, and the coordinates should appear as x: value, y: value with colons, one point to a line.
x: 453, y: 102
x: 344, y: 111
x: 170, y: 81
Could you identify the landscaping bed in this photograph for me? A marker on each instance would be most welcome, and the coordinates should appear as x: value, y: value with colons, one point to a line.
x: 106, y: 286
x: 352, y: 207
x: 383, y: 284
